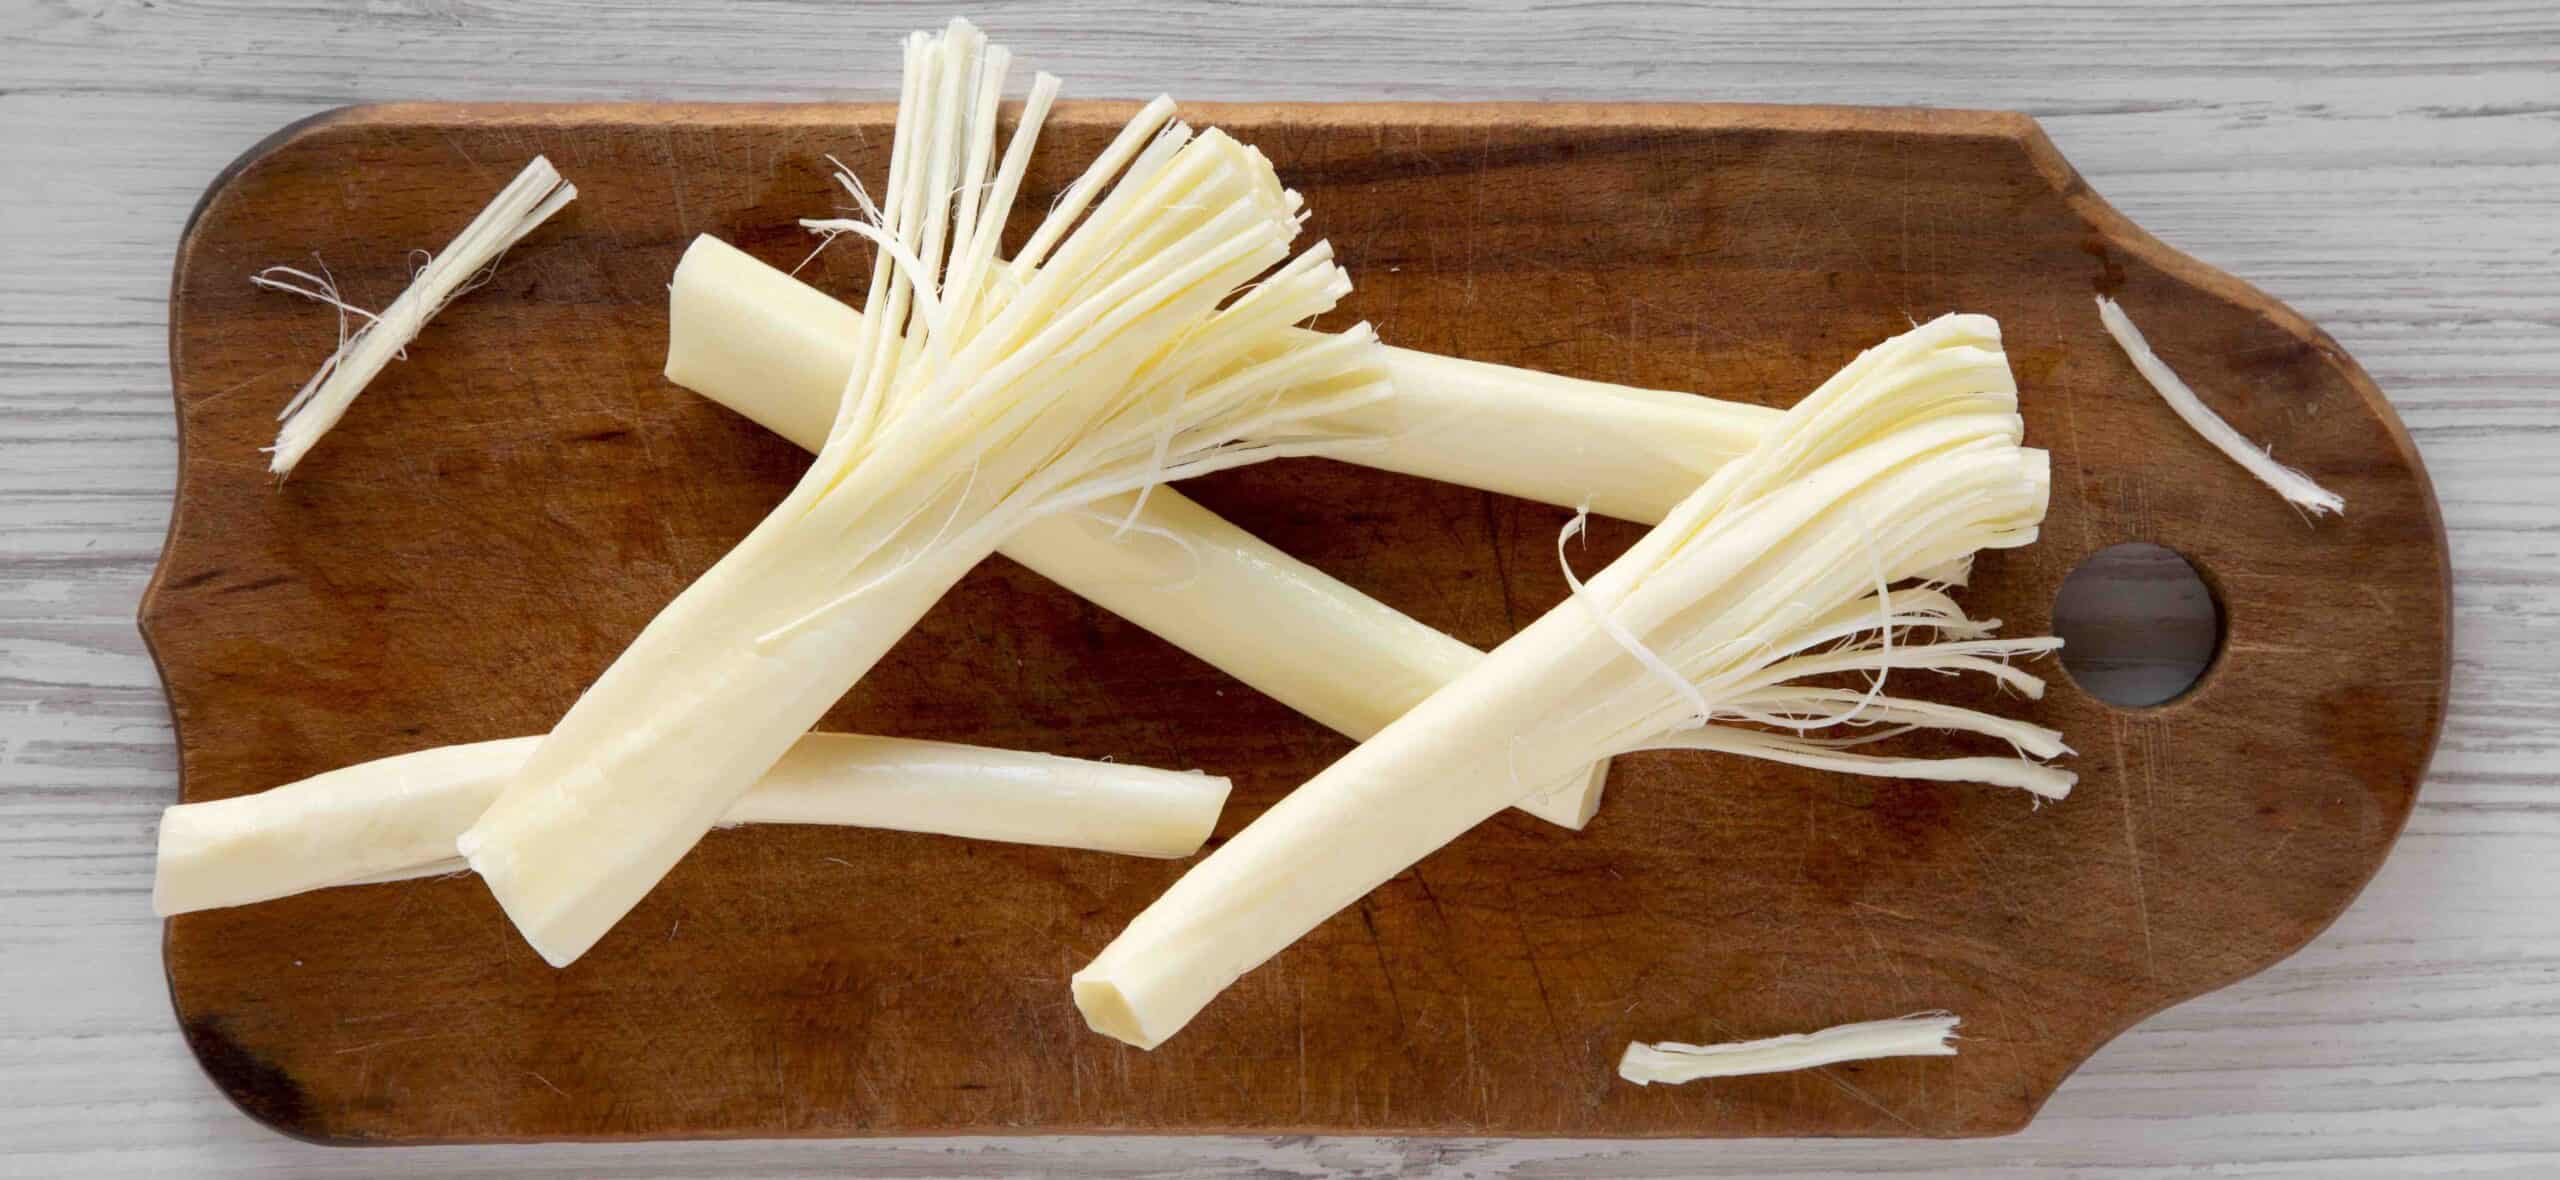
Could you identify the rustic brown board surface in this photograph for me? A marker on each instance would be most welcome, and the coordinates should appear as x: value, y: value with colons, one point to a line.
x: 504, y: 510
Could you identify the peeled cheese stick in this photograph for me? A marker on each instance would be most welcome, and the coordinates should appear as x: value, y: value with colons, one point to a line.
x: 1140, y: 344
x: 775, y: 349
x: 396, y: 818
x: 1736, y: 618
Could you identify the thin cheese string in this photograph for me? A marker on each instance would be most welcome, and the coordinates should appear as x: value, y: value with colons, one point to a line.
x: 1884, y: 632
x: 323, y: 289
x: 1617, y: 631
x: 1131, y: 524
x: 2293, y: 485
x: 906, y: 560
x: 920, y: 278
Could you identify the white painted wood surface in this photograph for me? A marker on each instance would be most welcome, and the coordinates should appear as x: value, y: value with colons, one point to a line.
x: 2388, y: 168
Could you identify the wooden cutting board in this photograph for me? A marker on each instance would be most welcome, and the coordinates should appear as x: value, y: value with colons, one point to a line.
x: 501, y: 513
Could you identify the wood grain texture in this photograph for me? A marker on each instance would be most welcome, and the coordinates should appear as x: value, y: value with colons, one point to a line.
x: 2384, y: 166
x: 499, y: 516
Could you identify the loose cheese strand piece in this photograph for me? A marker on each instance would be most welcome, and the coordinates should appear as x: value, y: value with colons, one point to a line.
x: 2287, y: 482
x: 944, y: 443
x: 530, y: 199
x: 1923, y: 1034
x: 396, y: 818
x: 1909, y: 458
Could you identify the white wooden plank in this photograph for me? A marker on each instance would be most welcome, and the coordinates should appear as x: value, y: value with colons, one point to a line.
x: 2386, y: 167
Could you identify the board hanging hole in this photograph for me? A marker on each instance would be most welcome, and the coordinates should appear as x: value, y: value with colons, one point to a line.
x: 2138, y: 624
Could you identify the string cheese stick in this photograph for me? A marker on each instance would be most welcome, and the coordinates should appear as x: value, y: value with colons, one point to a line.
x: 1143, y: 340
x: 775, y: 349
x: 1792, y: 563
x: 396, y: 818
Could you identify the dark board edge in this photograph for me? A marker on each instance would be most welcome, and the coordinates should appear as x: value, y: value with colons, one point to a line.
x: 2119, y: 230
x: 240, y: 1081
x: 262, y: 1093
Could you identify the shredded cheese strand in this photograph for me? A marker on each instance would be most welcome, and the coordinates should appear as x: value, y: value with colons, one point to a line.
x: 1600, y: 616
x: 2258, y: 461
x: 526, y: 202
x: 1921, y: 1034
